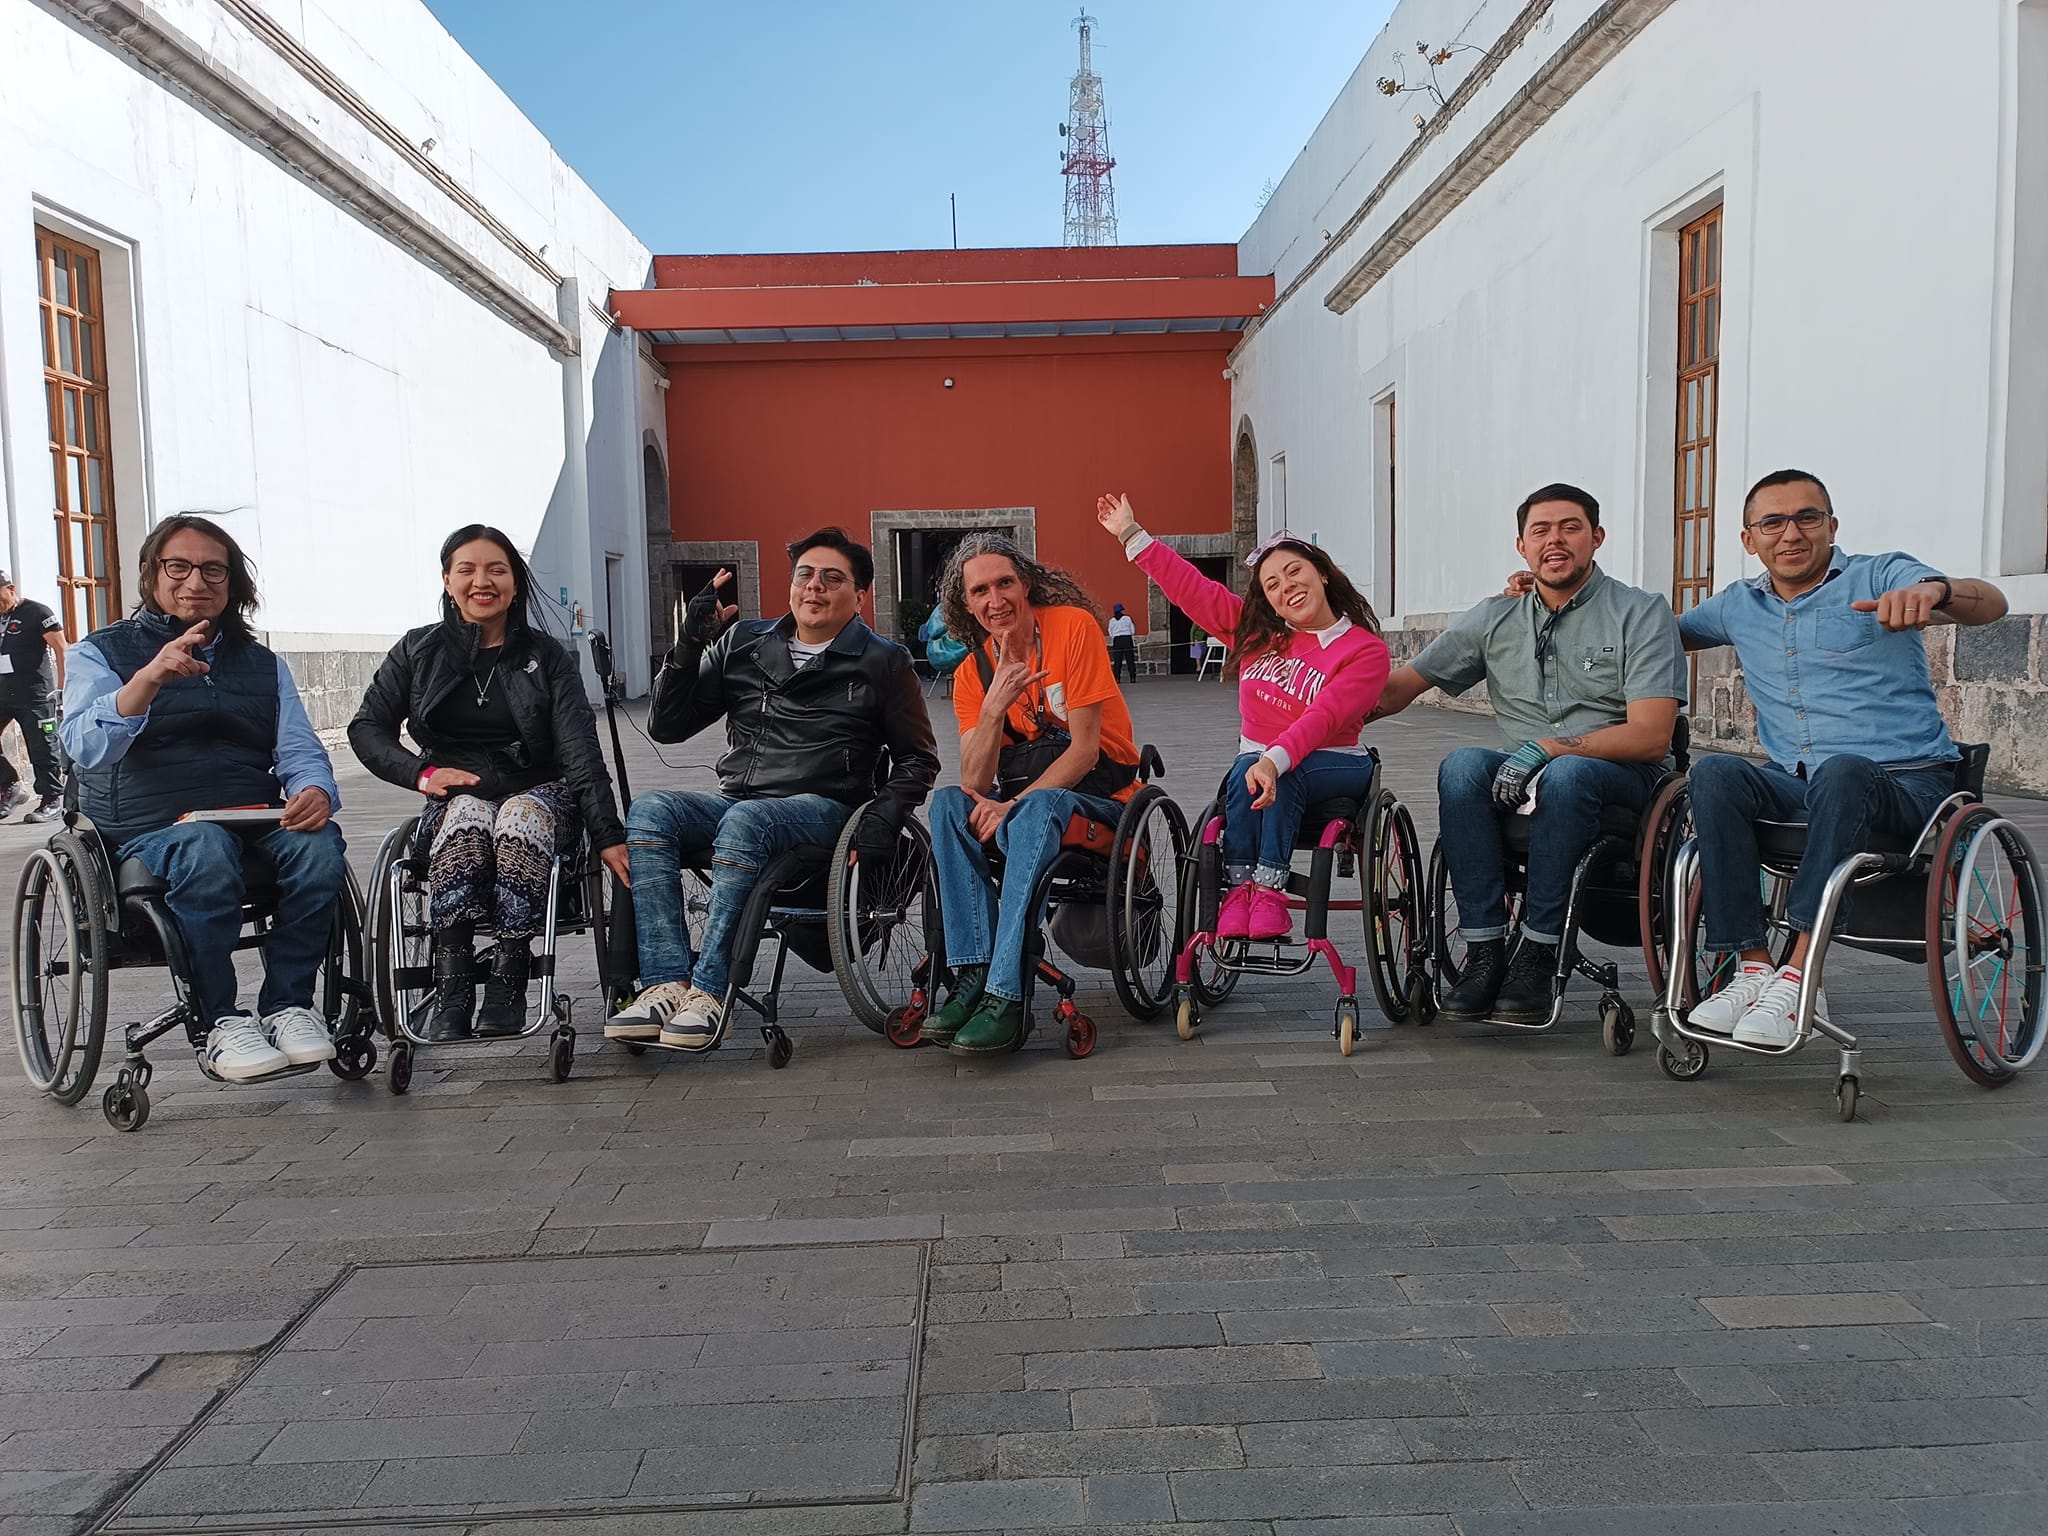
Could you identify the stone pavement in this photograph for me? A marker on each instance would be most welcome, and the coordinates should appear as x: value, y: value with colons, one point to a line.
x: 1460, y: 1284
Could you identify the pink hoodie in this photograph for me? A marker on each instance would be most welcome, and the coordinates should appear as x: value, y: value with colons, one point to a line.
x: 1314, y: 692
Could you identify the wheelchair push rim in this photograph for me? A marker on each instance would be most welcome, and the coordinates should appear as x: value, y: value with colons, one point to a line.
x: 1391, y: 899
x: 59, y: 964
x: 882, y: 931
x: 1213, y: 980
x: 1985, y: 945
x: 1147, y: 867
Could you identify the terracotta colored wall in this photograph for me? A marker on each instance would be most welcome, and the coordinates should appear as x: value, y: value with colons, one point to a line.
x: 768, y: 450
x: 1026, y: 264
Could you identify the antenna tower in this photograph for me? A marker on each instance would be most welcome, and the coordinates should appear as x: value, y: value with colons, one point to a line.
x: 1085, y: 162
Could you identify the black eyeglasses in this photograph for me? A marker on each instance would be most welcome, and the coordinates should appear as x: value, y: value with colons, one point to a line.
x: 212, y: 572
x: 1543, y: 634
x: 1808, y: 519
x: 832, y: 577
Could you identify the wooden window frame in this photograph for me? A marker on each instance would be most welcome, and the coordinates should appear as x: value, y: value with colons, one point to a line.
x: 1698, y: 406
x: 81, y: 432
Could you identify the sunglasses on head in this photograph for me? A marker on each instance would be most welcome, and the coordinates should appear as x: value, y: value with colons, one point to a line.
x: 1282, y: 537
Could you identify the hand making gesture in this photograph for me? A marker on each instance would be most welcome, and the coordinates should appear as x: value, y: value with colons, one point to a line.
x: 706, y: 618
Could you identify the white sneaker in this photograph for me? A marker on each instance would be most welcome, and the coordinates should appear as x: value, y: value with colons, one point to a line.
x: 642, y: 1018
x: 1720, y: 1013
x: 696, y: 1027
x: 236, y: 1050
x: 1773, y: 1020
x: 300, y: 1034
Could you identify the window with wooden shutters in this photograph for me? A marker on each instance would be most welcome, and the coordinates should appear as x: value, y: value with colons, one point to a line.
x: 1699, y: 353
x: 73, y: 319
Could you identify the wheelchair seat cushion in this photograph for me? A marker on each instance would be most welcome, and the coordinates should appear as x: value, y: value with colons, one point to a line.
x: 1322, y: 812
x: 1615, y: 820
x: 1784, y: 842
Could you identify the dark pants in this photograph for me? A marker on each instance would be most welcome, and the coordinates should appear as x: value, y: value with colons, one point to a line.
x: 1123, y: 658
x: 38, y: 721
x: 1843, y: 802
x: 1569, y: 795
x: 202, y: 860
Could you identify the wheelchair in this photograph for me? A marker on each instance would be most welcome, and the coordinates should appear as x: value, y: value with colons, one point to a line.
x: 1962, y: 899
x: 78, y: 918
x: 1370, y: 840
x: 1618, y: 878
x: 402, y: 959
x: 874, y: 929
x: 1111, y: 901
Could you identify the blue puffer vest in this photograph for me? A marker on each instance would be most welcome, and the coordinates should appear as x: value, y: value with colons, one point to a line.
x: 211, y: 741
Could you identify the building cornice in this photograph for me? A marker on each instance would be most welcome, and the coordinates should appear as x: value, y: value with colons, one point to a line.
x: 207, y: 74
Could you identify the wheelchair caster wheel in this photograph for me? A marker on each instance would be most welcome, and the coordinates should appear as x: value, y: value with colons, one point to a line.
x: 562, y: 1056
x: 353, y: 1059
x: 1617, y: 1026
x: 1421, y: 1006
x: 142, y: 1074
x: 905, y: 1028
x: 401, y: 1068
x: 1683, y: 1065
x: 1347, y: 1024
x: 780, y: 1049
x: 1187, y: 1018
x: 1080, y: 1035
x: 1847, y: 1091
x: 635, y: 1047
x: 125, y: 1104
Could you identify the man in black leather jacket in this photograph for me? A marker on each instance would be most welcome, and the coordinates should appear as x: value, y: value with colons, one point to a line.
x: 811, y: 702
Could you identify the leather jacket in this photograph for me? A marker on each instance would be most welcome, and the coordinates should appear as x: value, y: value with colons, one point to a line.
x: 815, y: 730
x: 544, y: 690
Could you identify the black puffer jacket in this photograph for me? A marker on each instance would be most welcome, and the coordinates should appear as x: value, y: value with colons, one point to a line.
x: 815, y: 730
x: 544, y: 689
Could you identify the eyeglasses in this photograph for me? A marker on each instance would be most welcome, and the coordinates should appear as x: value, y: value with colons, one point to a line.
x: 212, y: 572
x: 831, y: 576
x: 1808, y: 519
x: 1281, y: 537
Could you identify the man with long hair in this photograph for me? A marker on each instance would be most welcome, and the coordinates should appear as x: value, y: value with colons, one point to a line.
x: 1044, y: 733
x: 179, y: 709
x: 1586, y: 676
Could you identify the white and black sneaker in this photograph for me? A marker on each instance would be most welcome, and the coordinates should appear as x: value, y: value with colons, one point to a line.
x: 642, y: 1018
x: 237, y: 1050
x: 696, y: 1028
x: 300, y: 1035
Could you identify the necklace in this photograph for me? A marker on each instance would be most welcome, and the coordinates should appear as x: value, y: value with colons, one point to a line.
x: 483, y: 689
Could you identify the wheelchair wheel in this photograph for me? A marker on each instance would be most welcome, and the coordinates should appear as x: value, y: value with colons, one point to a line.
x: 1212, y: 983
x: 1665, y: 826
x: 1985, y: 945
x: 1446, y: 944
x: 1147, y: 867
x: 400, y: 932
x: 60, y: 968
x: 342, y: 985
x: 882, y: 924
x: 1390, y: 899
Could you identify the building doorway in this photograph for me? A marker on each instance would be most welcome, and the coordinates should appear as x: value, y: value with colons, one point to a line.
x: 921, y: 556
x: 1180, y: 629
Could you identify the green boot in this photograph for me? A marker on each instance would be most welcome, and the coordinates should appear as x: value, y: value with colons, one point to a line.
x: 942, y: 1026
x: 997, y: 1026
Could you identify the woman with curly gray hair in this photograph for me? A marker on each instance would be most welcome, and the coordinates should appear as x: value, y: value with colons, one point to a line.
x: 1044, y: 733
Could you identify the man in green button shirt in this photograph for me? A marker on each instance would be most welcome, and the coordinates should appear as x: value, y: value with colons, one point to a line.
x: 1586, y: 676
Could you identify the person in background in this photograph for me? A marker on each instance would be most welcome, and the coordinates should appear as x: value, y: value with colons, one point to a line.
x: 31, y: 677
x: 509, y: 762
x: 1123, y: 645
x: 179, y: 709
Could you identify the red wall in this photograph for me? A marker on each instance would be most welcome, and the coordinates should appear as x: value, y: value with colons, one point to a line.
x: 1007, y: 265
x: 768, y: 443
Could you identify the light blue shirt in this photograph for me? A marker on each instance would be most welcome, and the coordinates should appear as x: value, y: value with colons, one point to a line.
x: 1825, y: 679
x: 95, y: 732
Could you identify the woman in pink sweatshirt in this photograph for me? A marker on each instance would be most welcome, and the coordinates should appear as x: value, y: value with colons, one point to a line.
x: 1310, y: 667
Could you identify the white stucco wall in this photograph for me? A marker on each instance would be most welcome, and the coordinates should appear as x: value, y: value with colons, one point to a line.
x: 274, y: 353
x: 1873, y: 328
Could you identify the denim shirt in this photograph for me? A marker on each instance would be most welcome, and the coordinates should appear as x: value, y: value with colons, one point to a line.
x: 1825, y: 679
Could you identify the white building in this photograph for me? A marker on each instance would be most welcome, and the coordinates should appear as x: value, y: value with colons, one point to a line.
x: 316, y: 272
x: 1492, y: 300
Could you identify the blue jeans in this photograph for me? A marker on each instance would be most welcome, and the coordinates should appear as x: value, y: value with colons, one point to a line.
x: 668, y: 828
x: 1569, y: 796
x: 980, y: 928
x: 202, y: 860
x: 1843, y: 802
x: 1265, y: 839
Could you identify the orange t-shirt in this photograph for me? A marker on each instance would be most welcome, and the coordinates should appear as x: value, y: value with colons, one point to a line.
x: 1077, y: 674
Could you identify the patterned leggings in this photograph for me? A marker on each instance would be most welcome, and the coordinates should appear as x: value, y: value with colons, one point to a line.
x: 488, y: 861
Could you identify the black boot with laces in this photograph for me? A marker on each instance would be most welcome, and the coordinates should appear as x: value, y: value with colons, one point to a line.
x: 1486, y: 964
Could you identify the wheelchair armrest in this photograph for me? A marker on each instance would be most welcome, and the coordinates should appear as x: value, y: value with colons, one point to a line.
x: 1150, y: 764
x: 1970, y: 769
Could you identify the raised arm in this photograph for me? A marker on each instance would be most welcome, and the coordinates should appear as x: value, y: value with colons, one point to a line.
x: 1208, y: 602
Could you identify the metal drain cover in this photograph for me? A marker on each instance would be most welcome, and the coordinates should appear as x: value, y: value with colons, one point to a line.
x: 545, y: 1387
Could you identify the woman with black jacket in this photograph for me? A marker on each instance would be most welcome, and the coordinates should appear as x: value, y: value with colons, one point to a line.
x: 509, y: 762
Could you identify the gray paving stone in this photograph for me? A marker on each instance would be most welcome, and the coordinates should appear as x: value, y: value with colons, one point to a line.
x: 1583, y: 1482
x: 1707, y: 1431
x: 1834, y: 1518
x: 1298, y: 1492
x: 964, y: 1413
x: 1323, y: 1443
x: 1169, y: 1367
x: 1111, y: 1408
x: 819, y: 1469
x: 1127, y: 1499
x: 1811, y: 1311
x: 1984, y: 1514
x: 1025, y: 1504
x: 1726, y: 1386
x: 248, y: 1490
x: 531, y: 1480
x: 382, y: 1439
x: 1074, y: 1452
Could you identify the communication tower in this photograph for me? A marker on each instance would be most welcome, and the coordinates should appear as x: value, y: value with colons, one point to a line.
x: 1085, y: 160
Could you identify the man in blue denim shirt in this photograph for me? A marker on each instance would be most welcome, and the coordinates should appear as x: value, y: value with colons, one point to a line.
x: 1833, y: 661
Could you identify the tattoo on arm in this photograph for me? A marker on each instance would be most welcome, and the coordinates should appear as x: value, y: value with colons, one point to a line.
x: 1571, y: 741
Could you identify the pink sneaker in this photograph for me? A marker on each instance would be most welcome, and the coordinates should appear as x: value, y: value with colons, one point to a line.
x: 1271, y: 917
x: 1233, y: 921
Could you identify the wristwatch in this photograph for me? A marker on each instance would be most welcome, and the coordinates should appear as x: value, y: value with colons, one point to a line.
x: 1948, y: 590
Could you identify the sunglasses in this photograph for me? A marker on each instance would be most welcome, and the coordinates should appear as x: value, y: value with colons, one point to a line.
x: 1281, y: 537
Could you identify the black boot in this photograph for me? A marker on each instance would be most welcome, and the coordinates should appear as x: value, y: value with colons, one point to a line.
x: 504, y: 1009
x: 1532, y: 976
x: 1486, y: 964
x: 454, y: 992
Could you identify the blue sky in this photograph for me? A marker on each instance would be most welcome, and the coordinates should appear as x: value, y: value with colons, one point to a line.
x: 799, y: 125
